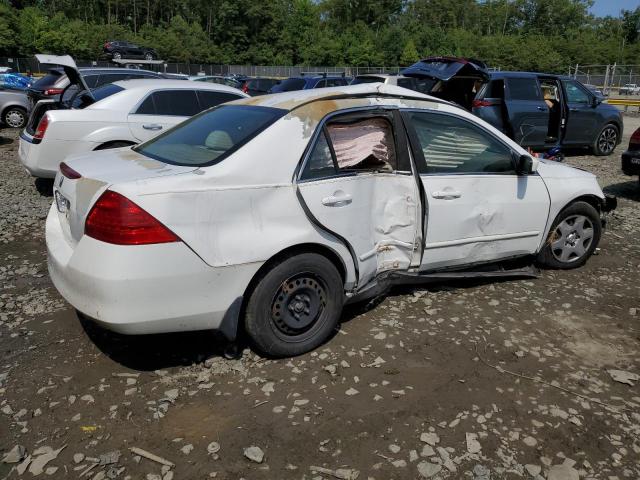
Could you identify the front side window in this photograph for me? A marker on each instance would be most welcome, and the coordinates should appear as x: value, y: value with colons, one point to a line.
x: 575, y: 94
x: 452, y: 145
x: 523, y: 89
x: 210, y: 137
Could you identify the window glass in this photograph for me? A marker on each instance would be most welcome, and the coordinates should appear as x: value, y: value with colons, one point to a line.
x: 452, y: 145
x: 183, y: 103
x: 335, y: 82
x: 523, y: 88
x: 364, y: 79
x: 289, y: 85
x: 210, y: 99
x: 147, y: 107
x: 366, y: 144
x: 321, y: 84
x: 494, y: 89
x: 409, y: 83
x: 575, y: 94
x: 84, y: 99
x: 91, y: 80
x: 320, y: 162
x: 211, y: 136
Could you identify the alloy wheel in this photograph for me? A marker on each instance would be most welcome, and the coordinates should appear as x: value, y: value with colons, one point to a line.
x: 298, y: 304
x: 607, y: 140
x: 572, y: 238
x: 15, y: 118
x: 117, y: 55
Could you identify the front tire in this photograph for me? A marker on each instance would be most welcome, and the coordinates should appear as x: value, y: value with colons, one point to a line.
x: 148, y: 56
x: 295, y: 306
x: 116, y: 55
x: 573, y: 237
x: 607, y: 140
x: 15, y: 117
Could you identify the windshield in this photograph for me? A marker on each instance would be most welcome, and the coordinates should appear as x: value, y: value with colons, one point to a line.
x: 85, y: 99
x: 359, y: 80
x: 211, y: 136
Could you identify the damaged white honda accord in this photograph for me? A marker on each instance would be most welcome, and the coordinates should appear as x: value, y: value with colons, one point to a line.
x: 268, y: 214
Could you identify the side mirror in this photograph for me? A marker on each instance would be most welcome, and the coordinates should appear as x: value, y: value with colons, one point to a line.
x: 597, y: 100
x: 524, y: 165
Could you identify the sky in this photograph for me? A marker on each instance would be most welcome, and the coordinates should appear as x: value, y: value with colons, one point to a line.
x: 602, y: 8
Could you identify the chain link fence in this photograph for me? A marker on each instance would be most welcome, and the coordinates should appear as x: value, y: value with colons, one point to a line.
x: 610, y: 79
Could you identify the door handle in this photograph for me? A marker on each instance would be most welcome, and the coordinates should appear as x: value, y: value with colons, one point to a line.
x: 446, y: 194
x: 152, y: 126
x: 338, y: 199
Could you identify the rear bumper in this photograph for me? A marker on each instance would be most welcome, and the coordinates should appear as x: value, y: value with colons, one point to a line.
x: 631, y: 162
x: 144, y: 289
x: 42, y: 158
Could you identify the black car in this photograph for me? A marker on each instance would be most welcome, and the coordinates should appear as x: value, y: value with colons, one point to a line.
x: 631, y: 158
x: 55, y: 81
x: 541, y: 111
x: 258, y: 86
x: 119, y: 49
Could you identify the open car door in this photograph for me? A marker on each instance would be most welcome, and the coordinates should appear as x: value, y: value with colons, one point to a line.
x: 450, y: 78
x: 357, y: 183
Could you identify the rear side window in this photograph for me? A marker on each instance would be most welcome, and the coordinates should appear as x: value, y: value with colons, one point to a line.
x: 182, y: 103
x: 335, y: 82
x: 210, y: 99
x: 451, y: 145
x: 91, y: 80
x: 210, y: 137
x: 523, y: 89
x: 494, y: 89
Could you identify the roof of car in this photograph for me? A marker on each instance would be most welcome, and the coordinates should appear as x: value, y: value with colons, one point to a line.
x: 380, y: 75
x: 152, y: 84
x: 505, y: 74
x: 293, y: 99
x: 114, y: 70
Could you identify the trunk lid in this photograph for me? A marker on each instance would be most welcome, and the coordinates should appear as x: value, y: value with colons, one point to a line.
x: 451, y: 78
x: 74, y: 197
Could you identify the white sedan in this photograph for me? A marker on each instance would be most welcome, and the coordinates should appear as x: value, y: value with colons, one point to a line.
x: 112, y: 116
x: 268, y: 214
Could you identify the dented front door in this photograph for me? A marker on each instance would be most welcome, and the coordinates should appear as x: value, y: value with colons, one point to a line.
x: 479, y: 209
x: 372, y: 205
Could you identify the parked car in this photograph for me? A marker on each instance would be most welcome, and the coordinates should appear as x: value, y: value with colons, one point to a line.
x: 630, y: 89
x: 270, y: 213
x: 14, y: 106
x: 230, y: 82
x: 631, y: 158
x: 119, y: 49
x: 305, y: 82
x: 541, y: 110
x: 113, y: 116
x: 258, y: 86
x: 412, y: 83
x: 450, y: 78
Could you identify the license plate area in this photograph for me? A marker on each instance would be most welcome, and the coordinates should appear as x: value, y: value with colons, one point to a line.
x: 62, y: 203
x: 635, y: 161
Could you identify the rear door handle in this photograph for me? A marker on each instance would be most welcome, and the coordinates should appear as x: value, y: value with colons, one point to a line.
x: 152, y: 126
x: 446, y: 194
x: 338, y: 199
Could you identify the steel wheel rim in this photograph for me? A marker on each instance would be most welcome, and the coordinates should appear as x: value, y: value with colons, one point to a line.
x: 14, y: 118
x: 607, y: 140
x: 572, y: 239
x: 298, y: 305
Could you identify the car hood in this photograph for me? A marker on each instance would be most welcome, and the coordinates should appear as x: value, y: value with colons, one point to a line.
x: 445, y: 68
x: 553, y: 169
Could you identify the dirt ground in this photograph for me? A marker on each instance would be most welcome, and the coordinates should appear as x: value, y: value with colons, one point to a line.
x: 475, y: 380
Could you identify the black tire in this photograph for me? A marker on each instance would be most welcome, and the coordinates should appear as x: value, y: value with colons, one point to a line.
x: 116, y: 55
x: 115, y: 144
x: 295, y: 305
x: 607, y: 140
x: 15, y: 117
x: 148, y: 56
x: 573, y: 237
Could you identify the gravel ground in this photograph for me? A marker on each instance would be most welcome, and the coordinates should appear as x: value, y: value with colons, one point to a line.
x: 475, y: 380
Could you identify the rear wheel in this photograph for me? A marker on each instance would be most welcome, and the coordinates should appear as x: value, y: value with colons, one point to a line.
x: 606, y: 141
x: 15, y: 117
x: 148, y: 56
x: 573, y: 237
x: 116, y: 55
x: 295, y: 306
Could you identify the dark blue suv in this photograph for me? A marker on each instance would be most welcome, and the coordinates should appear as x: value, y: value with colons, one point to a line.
x: 306, y: 82
x: 540, y: 110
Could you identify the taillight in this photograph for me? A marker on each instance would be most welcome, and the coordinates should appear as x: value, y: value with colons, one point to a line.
x: 43, y: 124
x: 482, y: 103
x: 53, y: 91
x: 116, y: 219
x: 635, y: 138
x: 69, y: 172
x: 245, y: 88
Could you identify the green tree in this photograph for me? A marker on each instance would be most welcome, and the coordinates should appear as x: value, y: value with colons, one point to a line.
x: 409, y: 54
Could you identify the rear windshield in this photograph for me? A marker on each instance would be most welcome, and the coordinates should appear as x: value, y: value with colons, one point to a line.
x: 85, y: 99
x: 359, y: 80
x: 48, y: 80
x: 208, y: 138
x: 289, y: 85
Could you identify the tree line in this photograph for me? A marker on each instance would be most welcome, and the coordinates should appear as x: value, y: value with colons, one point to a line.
x: 542, y: 35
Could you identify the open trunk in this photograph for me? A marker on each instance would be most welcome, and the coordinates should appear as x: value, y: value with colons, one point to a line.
x: 455, y: 79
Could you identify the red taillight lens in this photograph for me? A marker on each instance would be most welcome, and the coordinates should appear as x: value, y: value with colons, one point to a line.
x: 41, y: 129
x: 245, y: 88
x: 635, y: 138
x: 107, y: 45
x: 481, y: 103
x: 69, y: 172
x: 116, y: 219
x: 53, y: 91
